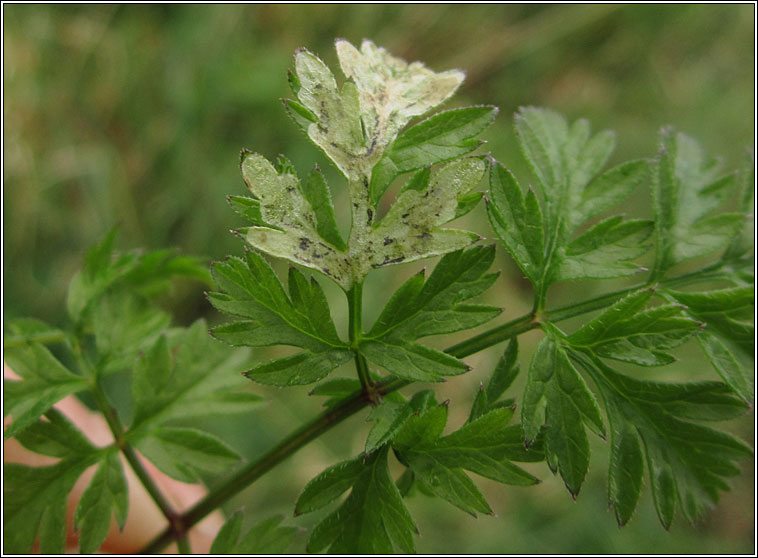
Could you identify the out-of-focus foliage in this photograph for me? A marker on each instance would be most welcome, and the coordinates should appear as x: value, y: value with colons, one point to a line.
x: 134, y: 115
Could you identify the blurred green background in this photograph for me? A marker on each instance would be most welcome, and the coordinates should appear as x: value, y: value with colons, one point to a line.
x: 134, y: 115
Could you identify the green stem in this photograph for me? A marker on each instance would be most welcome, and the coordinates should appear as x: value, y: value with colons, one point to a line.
x: 360, y: 399
x: 42, y: 338
x: 276, y: 455
x: 117, y: 430
x: 355, y: 331
x: 183, y: 545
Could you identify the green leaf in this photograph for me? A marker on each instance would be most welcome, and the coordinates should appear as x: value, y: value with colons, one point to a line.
x: 44, y: 382
x: 610, y: 188
x: 628, y: 332
x: 687, y: 462
x: 373, y: 518
x: 125, y: 326
x: 736, y: 376
x: 685, y: 191
x: 502, y: 377
x: 270, y: 316
x: 557, y: 398
x: 299, y: 369
x: 182, y: 453
x: 411, y: 361
x: 317, y: 193
x: 266, y: 537
x: 419, y: 309
x: 35, y: 500
x: 253, y: 292
x: 442, y: 137
x: 517, y: 222
x: 484, y: 446
x: 565, y: 159
x: 742, y: 245
x: 146, y: 273
x: 249, y: 208
x: 201, y: 380
x: 329, y: 485
x: 605, y: 250
x: 727, y: 312
x: 56, y: 436
x: 536, y: 228
x: 390, y: 416
x: 107, y: 492
x: 31, y: 330
x: 227, y: 537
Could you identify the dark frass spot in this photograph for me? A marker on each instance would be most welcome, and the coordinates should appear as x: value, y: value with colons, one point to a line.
x: 388, y: 261
x: 304, y: 242
x: 370, y: 214
x: 388, y: 240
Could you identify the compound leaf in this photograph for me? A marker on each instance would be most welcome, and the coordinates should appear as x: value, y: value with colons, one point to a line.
x: 182, y: 453
x: 557, y: 398
x: 628, y: 332
x: 265, y: 537
x: 56, y: 437
x: 420, y: 309
x: 106, y: 493
x: 484, y: 446
x: 373, y: 518
x: 44, y: 382
x: 685, y: 190
x: 35, y: 501
x: 687, y: 462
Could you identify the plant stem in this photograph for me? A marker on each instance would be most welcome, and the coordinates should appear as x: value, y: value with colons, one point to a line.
x: 362, y: 398
x: 183, y: 545
x: 117, y: 430
x: 355, y: 331
x: 276, y: 455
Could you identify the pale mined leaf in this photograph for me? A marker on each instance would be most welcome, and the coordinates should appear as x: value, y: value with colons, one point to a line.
x: 391, y: 91
x: 297, y: 223
x: 557, y: 398
x: 442, y: 137
x: 108, y: 492
x: 373, y: 518
x: 412, y: 228
x: 686, y: 189
x: 688, y: 463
